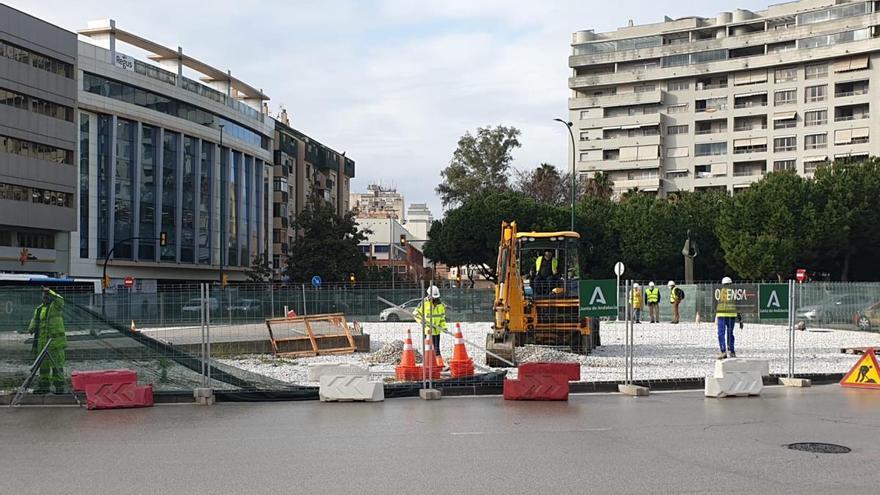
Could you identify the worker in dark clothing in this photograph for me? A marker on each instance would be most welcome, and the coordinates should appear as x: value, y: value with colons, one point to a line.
x: 546, y: 270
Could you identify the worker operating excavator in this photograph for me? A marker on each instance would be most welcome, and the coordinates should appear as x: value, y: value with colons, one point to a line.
x: 546, y: 271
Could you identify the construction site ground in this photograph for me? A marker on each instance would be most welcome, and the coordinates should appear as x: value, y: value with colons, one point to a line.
x: 678, y: 442
x: 662, y: 351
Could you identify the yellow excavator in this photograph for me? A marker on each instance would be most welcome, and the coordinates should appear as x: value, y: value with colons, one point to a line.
x: 534, y: 305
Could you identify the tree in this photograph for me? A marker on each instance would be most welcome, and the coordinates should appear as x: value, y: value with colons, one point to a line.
x: 650, y: 237
x: 699, y: 212
x: 469, y: 234
x: 327, y: 245
x: 479, y: 164
x: 600, y: 242
x: 600, y: 185
x: 770, y: 229
x: 848, y: 198
x: 260, y: 269
x: 543, y: 184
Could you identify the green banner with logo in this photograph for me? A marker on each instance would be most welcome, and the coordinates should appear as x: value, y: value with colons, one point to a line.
x: 598, y: 298
x: 773, y: 301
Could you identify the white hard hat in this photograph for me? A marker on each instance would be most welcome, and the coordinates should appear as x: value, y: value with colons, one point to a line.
x: 635, y: 285
x: 433, y: 292
x: 651, y: 284
x: 670, y: 284
x: 726, y: 280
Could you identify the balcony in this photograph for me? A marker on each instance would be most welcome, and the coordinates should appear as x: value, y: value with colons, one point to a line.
x: 616, y: 100
x: 745, y: 128
x: 846, y: 118
x: 640, y: 119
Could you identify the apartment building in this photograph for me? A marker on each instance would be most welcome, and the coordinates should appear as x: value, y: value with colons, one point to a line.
x: 379, y: 202
x: 303, y: 167
x: 38, y: 173
x: 716, y: 103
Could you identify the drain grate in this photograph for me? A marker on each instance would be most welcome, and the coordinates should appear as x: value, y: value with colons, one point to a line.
x: 819, y: 448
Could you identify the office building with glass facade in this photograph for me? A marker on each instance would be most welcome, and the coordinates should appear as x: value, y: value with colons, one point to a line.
x: 162, y: 154
x: 38, y: 179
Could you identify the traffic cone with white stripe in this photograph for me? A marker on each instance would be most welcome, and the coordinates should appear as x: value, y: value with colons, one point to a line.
x: 430, y: 360
x: 461, y: 364
x: 408, y: 370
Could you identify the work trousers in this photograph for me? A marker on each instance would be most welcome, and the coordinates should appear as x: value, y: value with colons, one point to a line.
x: 637, y: 314
x: 436, y: 339
x: 52, y: 369
x: 675, y: 315
x: 726, y: 325
x: 654, y: 312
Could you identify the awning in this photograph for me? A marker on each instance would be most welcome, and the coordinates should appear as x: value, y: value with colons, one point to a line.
x: 753, y: 93
x: 634, y: 126
x: 858, y: 62
x: 648, y: 189
x: 613, y: 128
x: 861, y: 132
x: 784, y: 115
x: 842, y: 136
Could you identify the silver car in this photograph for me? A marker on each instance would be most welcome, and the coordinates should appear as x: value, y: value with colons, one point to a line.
x: 404, y: 312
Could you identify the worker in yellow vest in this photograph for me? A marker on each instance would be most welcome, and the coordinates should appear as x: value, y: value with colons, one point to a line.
x: 652, y: 297
x: 637, y: 301
x: 432, y: 314
x: 676, y: 295
x: 546, y: 271
x: 725, y: 316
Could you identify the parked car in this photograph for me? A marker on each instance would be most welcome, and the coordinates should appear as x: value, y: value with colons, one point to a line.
x: 835, y: 309
x: 868, y: 318
x: 194, y: 306
x: 402, y: 313
x: 246, y: 307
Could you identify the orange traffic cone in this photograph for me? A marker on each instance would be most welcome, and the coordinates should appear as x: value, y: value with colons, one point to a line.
x: 433, y: 371
x: 461, y: 364
x: 408, y: 370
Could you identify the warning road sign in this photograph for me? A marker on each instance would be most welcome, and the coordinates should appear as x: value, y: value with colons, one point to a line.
x: 864, y: 374
x: 773, y: 301
x: 598, y: 298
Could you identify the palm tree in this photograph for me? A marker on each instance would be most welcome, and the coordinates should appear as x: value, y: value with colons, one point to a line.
x: 600, y: 185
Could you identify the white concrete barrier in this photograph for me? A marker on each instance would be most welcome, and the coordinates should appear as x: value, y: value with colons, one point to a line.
x: 737, y: 377
x: 317, y: 370
x: 350, y: 388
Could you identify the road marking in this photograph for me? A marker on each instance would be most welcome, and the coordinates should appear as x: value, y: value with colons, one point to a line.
x: 475, y: 433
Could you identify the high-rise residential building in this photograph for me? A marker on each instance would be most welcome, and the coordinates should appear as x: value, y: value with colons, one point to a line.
x: 304, y: 168
x: 419, y: 219
x: 716, y: 103
x: 38, y: 133
x: 379, y: 202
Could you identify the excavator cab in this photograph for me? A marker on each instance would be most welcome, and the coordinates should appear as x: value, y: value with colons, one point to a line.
x: 548, y: 263
x: 536, y: 297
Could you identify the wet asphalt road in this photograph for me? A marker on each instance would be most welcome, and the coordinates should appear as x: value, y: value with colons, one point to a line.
x: 665, y: 443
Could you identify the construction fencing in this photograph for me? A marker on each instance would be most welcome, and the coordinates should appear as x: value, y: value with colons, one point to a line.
x: 186, y: 336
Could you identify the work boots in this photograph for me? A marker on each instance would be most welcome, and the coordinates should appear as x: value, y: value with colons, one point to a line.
x: 722, y: 355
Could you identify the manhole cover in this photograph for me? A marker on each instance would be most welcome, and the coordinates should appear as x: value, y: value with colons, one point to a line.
x: 819, y: 448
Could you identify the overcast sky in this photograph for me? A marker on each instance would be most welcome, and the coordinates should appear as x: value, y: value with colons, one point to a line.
x: 393, y: 83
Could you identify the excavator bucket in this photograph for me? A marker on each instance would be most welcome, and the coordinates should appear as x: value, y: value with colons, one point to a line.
x: 500, y: 352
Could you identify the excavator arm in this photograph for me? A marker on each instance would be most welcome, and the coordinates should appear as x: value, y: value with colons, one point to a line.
x: 509, y: 304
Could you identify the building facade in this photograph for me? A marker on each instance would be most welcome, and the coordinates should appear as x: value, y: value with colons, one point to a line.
x: 383, y: 248
x: 162, y: 155
x: 379, y: 202
x: 716, y: 103
x: 303, y: 169
x: 38, y: 133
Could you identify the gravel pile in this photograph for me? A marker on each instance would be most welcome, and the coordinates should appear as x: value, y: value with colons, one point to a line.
x: 390, y: 353
x: 537, y: 353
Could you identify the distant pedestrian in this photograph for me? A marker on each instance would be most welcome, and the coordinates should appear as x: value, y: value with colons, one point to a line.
x: 652, y: 297
x: 725, y: 317
x: 637, y: 301
x: 676, y: 295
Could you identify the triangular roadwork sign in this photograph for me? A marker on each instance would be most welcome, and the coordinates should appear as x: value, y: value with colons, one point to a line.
x: 864, y: 374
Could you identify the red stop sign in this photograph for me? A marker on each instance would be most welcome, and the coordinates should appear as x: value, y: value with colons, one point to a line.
x: 128, y: 282
x: 801, y: 275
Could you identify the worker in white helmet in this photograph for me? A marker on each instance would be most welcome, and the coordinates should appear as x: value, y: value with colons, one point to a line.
x: 652, y: 297
x: 725, y: 317
x: 676, y: 295
x: 638, y: 300
x: 432, y: 313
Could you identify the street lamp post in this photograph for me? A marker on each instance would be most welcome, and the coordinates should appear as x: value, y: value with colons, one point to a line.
x: 568, y: 125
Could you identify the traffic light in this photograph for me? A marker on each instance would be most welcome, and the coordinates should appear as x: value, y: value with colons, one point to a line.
x: 351, y: 278
x: 163, y: 238
x: 403, y: 240
x: 224, y: 280
x: 105, y: 282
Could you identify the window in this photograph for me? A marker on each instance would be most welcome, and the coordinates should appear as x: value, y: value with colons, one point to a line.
x: 38, y: 61
x: 851, y: 136
x: 645, y: 88
x: 813, y: 94
x: 676, y: 129
x: 34, y: 150
x: 784, y: 123
x: 786, y: 75
x: 708, y: 149
x: 780, y: 165
x: 84, y: 185
x: 712, y: 104
x: 815, y: 141
x: 810, y: 166
x: 786, y: 143
x: 35, y: 105
x: 678, y: 86
x: 836, y: 38
x: 677, y: 152
x: 850, y: 10
x: 816, y: 71
x: 815, y: 117
x: 585, y: 114
x: 15, y: 192
x: 677, y: 108
x: 785, y: 97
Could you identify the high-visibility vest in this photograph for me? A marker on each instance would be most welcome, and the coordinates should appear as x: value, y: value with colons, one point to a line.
x: 726, y: 306
x: 554, y: 265
x: 637, y: 298
x: 673, y: 296
x: 434, y: 316
x: 652, y: 295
